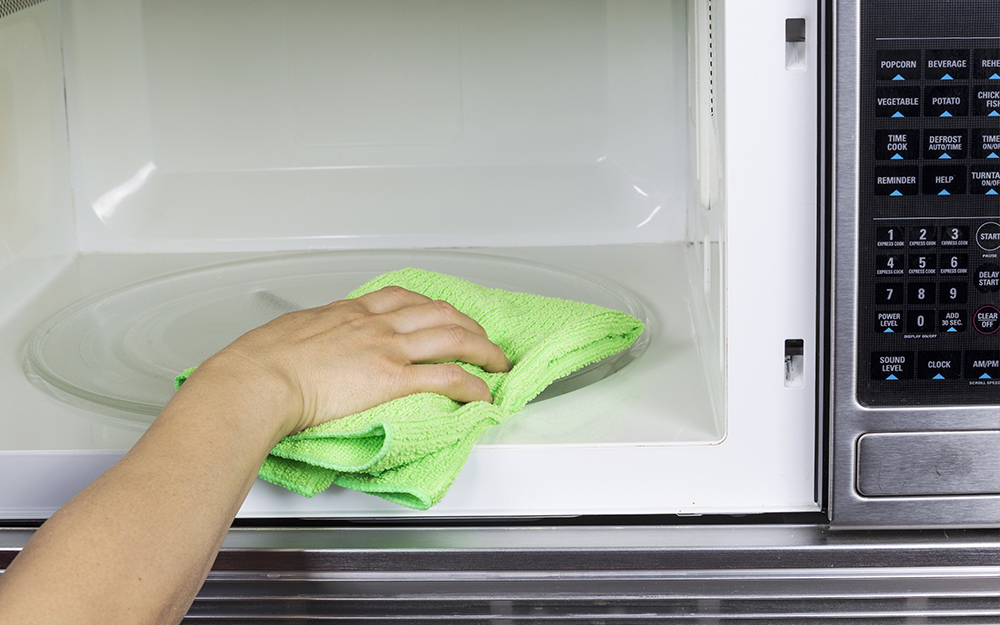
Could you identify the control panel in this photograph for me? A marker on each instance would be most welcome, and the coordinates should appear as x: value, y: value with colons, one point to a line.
x: 928, y: 318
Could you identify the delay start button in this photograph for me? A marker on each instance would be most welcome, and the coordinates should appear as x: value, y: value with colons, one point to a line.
x: 988, y: 236
x: 987, y: 278
x: 986, y: 320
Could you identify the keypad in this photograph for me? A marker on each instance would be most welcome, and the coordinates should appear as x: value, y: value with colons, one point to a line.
x: 929, y: 248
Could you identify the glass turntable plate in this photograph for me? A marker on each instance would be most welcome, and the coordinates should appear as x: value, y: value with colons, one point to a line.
x: 117, y: 352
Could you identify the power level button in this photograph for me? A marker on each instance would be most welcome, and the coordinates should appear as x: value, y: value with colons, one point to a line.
x: 988, y: 236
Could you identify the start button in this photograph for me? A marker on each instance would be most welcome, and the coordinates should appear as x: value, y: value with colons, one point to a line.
x: 988, y: 236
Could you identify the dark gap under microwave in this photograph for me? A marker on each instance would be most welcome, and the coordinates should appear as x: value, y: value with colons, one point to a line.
x: 799, y: 199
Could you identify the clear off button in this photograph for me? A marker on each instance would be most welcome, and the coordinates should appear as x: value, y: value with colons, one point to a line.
x: 986, y: 320
x: 988, y: 236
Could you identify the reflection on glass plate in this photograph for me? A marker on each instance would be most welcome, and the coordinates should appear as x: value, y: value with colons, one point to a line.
x: 117, y: 352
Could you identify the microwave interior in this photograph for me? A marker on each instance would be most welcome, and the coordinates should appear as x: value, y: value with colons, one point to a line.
x: 174, y: 173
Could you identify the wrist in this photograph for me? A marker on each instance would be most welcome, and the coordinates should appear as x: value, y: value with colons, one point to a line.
x: 263, y: 402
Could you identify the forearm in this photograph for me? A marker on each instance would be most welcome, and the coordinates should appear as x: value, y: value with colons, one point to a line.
x: 136, y: 544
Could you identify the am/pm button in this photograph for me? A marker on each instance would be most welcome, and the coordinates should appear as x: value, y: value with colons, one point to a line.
x: 982, y: 365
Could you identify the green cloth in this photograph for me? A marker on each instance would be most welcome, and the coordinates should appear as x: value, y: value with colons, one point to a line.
x: 409, y: 450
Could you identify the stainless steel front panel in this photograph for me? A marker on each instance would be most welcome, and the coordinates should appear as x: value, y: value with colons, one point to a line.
x: 849, y: 506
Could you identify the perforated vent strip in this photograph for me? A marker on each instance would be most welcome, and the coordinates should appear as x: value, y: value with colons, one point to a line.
x: 9, y: 7
x: 711, y: 63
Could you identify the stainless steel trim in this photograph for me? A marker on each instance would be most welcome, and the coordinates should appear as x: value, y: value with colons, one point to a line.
x: 744, y: 573
x: 848, y: 419
x: 928, y: 463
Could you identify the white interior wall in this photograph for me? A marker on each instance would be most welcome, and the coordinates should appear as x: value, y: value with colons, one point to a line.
x: 36, y: 216
x: 235, y: 125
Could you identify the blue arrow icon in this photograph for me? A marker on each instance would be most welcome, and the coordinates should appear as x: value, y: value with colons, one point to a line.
x: 944, y: 192
x: 899, y: 77
x: 992, y: 155
x: 892, y: 377
x: 888, y: 330
x: 992, y: 192
x: 995, y: 76
x: 985, y: 376
x: 952, y: 330
x: 898, y: 114
x: 946, y: 114
x: 945, y: 155
x: 994, y: 114
x: 938, y: 377
x: 947, y: 77
x: 897, y: 157
x: 896, y: 192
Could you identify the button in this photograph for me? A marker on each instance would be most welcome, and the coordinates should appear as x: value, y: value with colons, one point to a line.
x: 948, y: 180
x: 947, y: 65
x: 889, y: 322
x: 892, y: 365
x: 889, y: 293
x: 922, y: 265
x: 986, y: 320
x: 889, y: 265
x: 988, y: 236
x: 896, y: 181
x: 954, y: 236
x: 953, y: 320
x: 891, y: 236
x: 920, y: 293
x: 985, y: 179
x: 982, y: 364
x: 946, y: 102
x: 897, y: 145
x: 986, y: 101
x: 898, y: 65
x: 987, y: 278
x: 923, y: 236
x: 954, y: 264
x: 939, y: 365
x: 986, y: 64
x: 954, y: 292
x: 897, y: 102
x: 919, y: 321
x: 944, y: 145
x: 986, y: 143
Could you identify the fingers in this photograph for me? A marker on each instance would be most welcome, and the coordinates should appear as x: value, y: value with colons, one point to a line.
x: 389, y: 299
x: 449, y: 380
x: 452, y: 342
x: 432, y: 331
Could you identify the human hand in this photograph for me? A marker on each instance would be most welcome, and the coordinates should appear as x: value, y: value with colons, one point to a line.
x: 342, y: 358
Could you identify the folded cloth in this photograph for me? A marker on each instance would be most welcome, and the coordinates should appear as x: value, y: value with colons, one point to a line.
x: 409, y: 450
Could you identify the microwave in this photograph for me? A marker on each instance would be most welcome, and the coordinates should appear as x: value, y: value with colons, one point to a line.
x: 798, y: 198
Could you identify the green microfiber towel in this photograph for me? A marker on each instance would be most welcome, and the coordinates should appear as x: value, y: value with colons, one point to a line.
x: 410, y: 450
